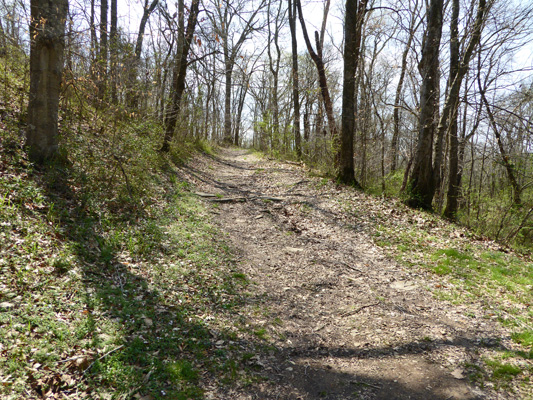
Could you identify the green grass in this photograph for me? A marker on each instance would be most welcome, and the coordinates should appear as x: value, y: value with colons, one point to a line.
x: 468, y: 271
x: 525, y: 338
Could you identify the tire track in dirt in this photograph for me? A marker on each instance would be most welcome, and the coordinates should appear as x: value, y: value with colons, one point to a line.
x: 346, y: 322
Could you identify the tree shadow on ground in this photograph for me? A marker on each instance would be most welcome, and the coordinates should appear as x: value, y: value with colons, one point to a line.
x: 148, y: 335
x: 165, y: 348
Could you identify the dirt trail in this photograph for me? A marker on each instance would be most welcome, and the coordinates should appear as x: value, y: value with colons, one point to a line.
x: 346, y: 322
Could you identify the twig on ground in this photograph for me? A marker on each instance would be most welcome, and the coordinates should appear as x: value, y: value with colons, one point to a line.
x: 335, y: 262
x: 228, y: 200
x: 366, y: 384
x: 348, y: 313
x: 101, y: 358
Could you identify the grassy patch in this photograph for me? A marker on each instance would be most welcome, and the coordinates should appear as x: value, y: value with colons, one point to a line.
x: 466, y: 270
x: 503, y: 280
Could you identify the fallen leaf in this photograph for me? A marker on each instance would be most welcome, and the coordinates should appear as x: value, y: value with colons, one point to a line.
x: 458, y: 373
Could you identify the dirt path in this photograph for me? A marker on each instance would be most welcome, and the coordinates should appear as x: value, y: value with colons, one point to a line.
x: 345, y: 321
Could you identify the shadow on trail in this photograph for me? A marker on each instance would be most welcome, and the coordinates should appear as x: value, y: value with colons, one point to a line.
x: 163, y: 348
x: 306, y: 381
x: 160, y: 345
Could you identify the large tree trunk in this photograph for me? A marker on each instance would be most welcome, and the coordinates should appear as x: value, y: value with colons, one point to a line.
x: 453, y: 190
x: 295, y: 82
x: 47, y: 33
x: 177, y: 90
x: 352, y: 41
x: 422, y: 182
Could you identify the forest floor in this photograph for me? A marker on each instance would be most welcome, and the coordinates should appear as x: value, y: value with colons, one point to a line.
x: 356, y: 297
x: 237, y: 277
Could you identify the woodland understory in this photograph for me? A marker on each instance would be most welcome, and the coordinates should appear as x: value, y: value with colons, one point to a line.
x: 176, y: 179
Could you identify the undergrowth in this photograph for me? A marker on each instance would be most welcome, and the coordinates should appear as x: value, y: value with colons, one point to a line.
x: 114, y: 283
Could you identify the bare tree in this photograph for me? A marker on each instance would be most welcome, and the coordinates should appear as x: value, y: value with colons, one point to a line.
x: 414, y: 23
x: 148, y: 9
x: 319, y: 62
x: 233, y: 28
x: 102, y: 55
x: 274, y: 63
x: 458, y: 69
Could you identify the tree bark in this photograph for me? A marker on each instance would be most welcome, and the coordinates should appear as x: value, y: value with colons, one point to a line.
x: 421, y: 184
x: 113, y: 39
x: 47, y: 33
x: 295, y: 82
x: 355, y: 13
x: 458, y: 69
x: 177, y: 91
x: 102, y: 58
x: 453, y: 190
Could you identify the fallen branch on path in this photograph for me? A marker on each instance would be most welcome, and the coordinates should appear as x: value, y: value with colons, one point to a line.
x: 365, y: 384
x: 293, y: 163
x: 215, y: 198
x: 335, y: 262
x: 268, y: 198
x: 228, y: 199
x: 348, y: 313
x: 207, y: 195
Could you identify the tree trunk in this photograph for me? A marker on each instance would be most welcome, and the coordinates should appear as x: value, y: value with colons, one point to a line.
x: 319, y: 62
x: 47, y: 33
x: 131, y: 95
x: 453, y: 189
x: 355, y: 13
x: 422, y: 182
x: 102, y: 58
x: 274, y: 69
x: 295, y: 81
x: 177, y: 91
x: 509, y: 168
x: 240, y: 106
x: 94, y: 42
x: 458, y: 69
x: 399, y: 89
x: 227, y: 102
x: 113, y: 39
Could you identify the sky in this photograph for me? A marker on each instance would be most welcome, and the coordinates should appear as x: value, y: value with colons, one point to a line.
x: 130, y: 12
